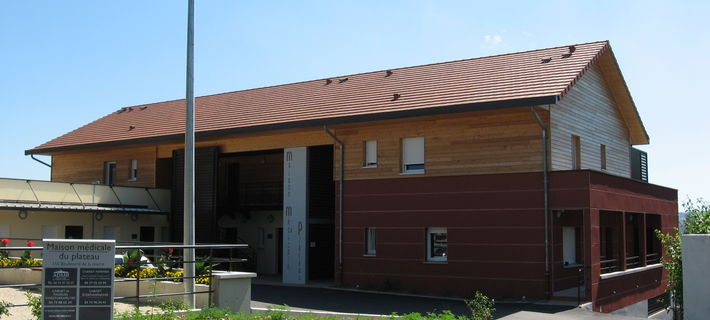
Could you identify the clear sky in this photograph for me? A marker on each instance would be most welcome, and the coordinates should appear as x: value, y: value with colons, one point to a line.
x: 66, y: 63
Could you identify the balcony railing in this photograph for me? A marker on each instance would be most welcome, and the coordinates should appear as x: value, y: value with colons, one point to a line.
x: 607, y: 266
x: 633, y: 262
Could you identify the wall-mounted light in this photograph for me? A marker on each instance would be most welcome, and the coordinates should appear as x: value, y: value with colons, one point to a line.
x: 134, y: 216
x: 23, y: 214
x: 559, y: 214
x: 99, y: 216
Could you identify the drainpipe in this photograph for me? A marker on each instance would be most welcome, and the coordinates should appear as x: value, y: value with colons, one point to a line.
x: 546, y: 192
x: 340, y: 199
x: 40, y: 161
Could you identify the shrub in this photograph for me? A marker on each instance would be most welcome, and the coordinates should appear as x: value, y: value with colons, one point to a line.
x: 4, y: 308
x: 35, y: 303
x: 481, y: 306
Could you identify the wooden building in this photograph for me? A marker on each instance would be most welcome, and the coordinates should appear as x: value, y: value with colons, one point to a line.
x: 514, y: 175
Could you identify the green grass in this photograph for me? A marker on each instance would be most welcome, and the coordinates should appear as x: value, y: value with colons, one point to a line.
x: 275, y: 313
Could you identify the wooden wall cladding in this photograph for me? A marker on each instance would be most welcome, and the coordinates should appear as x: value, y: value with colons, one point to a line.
x: 589, y: 111
x: 482, y: 142
x: 85, y: 166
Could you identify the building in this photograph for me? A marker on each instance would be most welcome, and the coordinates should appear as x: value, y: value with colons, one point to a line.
x: 34, y: 210
x: 513, y: 174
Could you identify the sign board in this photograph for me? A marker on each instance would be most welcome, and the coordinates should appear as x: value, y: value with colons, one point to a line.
x: 77, y: 279
x: 295, y: 223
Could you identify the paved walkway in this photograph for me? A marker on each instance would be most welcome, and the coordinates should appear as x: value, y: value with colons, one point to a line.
x: 356, y: 302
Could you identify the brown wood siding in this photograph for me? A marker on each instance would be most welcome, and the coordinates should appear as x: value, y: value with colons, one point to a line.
x: 88, y: 165
x: 589, y: 111
x: 483, y: 142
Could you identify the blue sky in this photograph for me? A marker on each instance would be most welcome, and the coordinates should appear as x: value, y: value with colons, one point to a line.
x: 65, y: 64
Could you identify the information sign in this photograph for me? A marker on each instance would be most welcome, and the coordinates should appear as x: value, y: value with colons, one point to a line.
x: 77, y: 279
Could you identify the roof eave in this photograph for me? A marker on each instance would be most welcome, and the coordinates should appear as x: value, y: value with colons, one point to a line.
x: 544, y: 100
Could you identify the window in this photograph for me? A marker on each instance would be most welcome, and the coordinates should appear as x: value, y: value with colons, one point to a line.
x: 413, y: 155
x: 602, y: 153
x: 569, y: 246
x: 74, y: 232
x: 133, y: 171
x: 370, y: 241
x: 111, y: 232
x: 49, y: 232
x: 436, y: 244
x: 4, y: 231
x: 110, y: 173
x: 576, y: 153
x: 370, y: 156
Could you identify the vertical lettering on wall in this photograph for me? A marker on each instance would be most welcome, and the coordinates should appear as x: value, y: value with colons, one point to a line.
x: 295, y: 215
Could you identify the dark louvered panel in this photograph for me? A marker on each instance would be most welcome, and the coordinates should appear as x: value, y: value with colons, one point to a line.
x: 205, y: 195
x: 639, y: 165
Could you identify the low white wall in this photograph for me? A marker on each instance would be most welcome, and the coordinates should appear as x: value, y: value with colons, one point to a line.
x: 232, y: 290
x: 696, y: 283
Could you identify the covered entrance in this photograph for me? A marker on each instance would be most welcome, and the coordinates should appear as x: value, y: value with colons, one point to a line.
x: 240, y: 198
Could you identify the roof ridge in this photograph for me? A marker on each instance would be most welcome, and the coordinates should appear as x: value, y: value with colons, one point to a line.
x: 371, y: 72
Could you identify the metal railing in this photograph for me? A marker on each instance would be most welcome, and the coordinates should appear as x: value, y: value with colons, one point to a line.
x: 633, y: 262
x: 609, y: 265
x: 171, y: 259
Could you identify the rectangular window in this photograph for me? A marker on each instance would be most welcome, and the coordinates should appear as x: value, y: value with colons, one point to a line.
x: 436, y: 244
x: 49, y: 232
x: 133, y: 171
x: 74, y: 232
x: 370, y: 156
x: 110, y: 173
x: 569, y: 245
x: 111, y: 232
x: 370, y: 241
x: 261, y: 238
x: 602, y: 153
x: 4, y: 231
x: 576, y: 153
x: 413, y: 155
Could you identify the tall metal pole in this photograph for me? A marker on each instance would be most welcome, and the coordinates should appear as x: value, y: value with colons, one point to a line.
x: 189, y: 201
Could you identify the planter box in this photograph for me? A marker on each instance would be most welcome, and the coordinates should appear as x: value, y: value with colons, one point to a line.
x: 126, y: 287
x: 21, y: 276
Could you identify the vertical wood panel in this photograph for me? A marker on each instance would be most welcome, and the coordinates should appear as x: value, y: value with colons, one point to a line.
x: 589, y: 111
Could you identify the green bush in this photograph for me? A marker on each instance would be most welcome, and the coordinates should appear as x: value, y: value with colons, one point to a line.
x: 35, y: 303
x: 4, y: 308
x: 481, y: 306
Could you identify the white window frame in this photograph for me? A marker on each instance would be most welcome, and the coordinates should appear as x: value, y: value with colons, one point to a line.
x: 370, y: 241
x: 569, y: 246
x: 413, y: 155
x: 430, y: 232
x: 133, y: 170
x: 369, y: 154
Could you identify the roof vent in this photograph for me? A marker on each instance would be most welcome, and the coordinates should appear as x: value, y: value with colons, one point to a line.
x: 546, y: 60
x: 389, y: 73
x: 143, y: 108
x: 342, y: 80
x: 395, y: 97
x: 120, y: 110
x: 131, y: 128
x: 129, y: 109
x: 328, y: 81
x: 572, y: 49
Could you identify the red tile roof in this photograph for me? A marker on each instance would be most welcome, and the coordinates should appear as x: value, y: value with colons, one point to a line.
x: 517, y: 78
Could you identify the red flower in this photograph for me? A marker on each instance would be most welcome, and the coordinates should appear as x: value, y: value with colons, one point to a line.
x: 131, y: 261
x: 5, y: 241
x: 170, y: 250
x: 30, y: 243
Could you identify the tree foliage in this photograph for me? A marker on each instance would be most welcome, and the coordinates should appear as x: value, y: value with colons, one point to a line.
x: 697, y: 219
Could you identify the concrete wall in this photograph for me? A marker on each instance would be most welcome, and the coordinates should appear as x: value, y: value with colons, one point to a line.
x: 696, y: 283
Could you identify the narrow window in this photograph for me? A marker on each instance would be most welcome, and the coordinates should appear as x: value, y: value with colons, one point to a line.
x: 569, y: 246
x: 436, y: 244
x: 49, y: 232
x: 602, y: 153
x: 370, y: 241
x: 370, y: 156
x: 413, y: 155
x: 110, y: 173
x: 261, y: 240
x: 111, y: 232
x: 576, y: 153
x: 4, y: 231
x: 133, y: 171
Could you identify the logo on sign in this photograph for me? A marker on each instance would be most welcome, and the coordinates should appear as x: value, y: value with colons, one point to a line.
x: 60, y: 275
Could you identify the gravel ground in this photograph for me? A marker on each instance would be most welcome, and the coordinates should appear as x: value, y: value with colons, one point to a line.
x: 17, y: 296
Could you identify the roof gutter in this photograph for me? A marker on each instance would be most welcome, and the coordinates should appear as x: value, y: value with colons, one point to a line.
x: 437, y: 110
x: 546, y: 192
x: 340, y: 198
